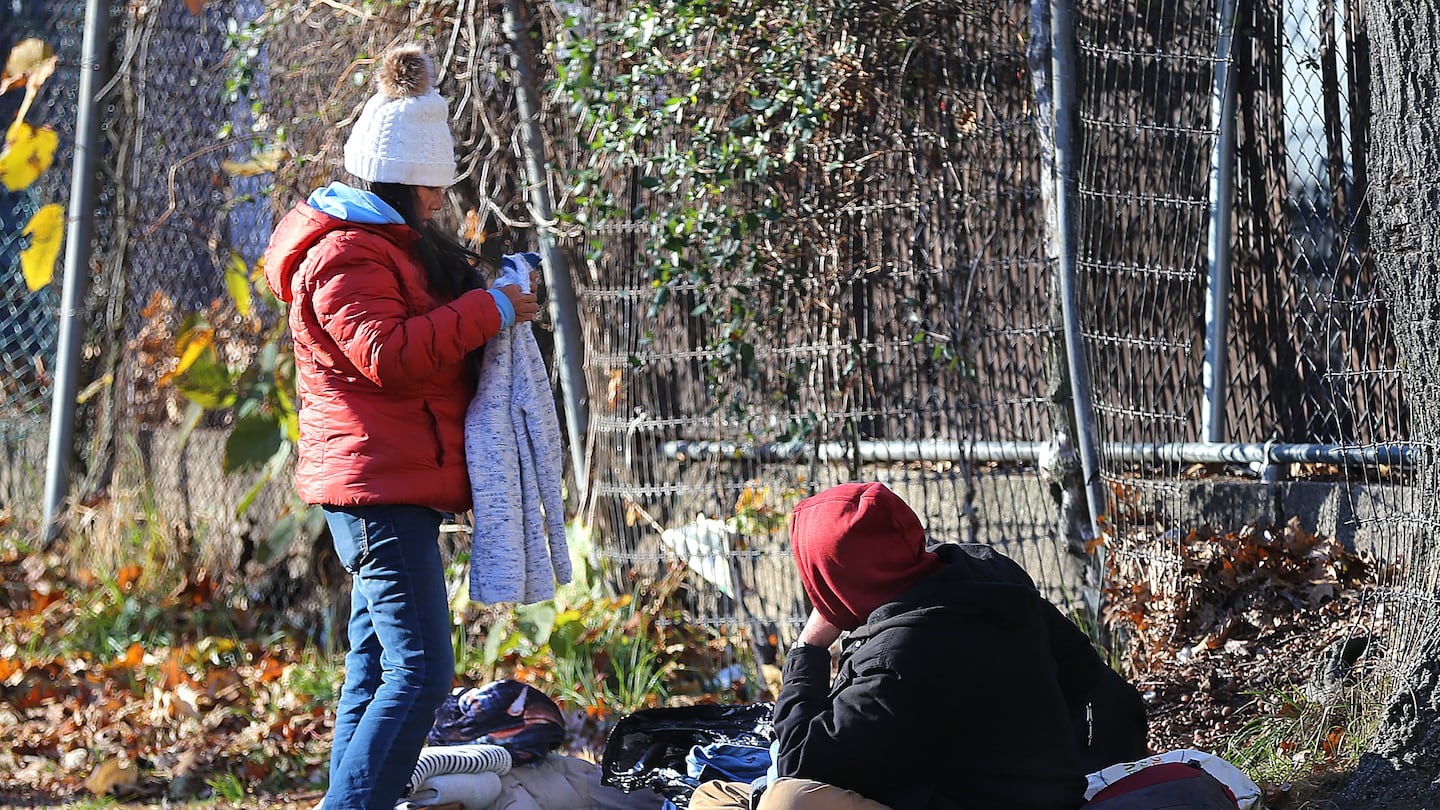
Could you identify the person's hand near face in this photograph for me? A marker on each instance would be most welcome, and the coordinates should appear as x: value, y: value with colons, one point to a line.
x: 818, y: 631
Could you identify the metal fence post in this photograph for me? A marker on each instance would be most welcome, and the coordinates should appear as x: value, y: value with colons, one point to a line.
x: 77, y: 259
x: 1059, y: 464
x: 1215, y: 375
x: 1063, y: 72
x: 564, y: 311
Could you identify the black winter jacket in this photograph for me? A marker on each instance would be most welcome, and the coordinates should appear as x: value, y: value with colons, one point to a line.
x: 967, y: 692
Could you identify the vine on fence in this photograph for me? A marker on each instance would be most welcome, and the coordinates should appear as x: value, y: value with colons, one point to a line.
x: 722, y: 129
x: 709, y: 105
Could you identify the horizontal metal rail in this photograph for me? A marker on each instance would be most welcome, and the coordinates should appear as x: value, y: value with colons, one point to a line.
x: 1393, y: 454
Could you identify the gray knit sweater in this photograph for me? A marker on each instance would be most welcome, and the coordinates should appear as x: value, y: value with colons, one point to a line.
x: 512, y: 447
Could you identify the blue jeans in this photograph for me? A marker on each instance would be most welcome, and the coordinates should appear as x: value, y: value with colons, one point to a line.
x: 401, y: 662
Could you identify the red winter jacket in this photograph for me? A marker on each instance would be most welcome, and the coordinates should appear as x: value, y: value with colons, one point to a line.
x: 380, y: 363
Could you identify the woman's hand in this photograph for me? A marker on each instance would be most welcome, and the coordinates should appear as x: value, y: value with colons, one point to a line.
x: 525, y: 304
x: 819, y: 631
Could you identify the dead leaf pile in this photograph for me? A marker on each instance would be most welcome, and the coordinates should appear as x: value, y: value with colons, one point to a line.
x: 1213, y: 626
x: 157, y: 720
x: 1207, y: 590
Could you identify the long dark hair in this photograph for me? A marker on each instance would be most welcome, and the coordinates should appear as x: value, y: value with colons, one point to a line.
x: 451, y: 269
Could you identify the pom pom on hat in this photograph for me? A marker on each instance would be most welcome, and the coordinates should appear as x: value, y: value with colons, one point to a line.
x: 403, y: 133
x: 405, y: 71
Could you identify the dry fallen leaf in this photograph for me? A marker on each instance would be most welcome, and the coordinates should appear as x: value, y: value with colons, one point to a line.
x: 271, y: 669
x: 30, y: 64
x: 113, y: 777
x: 470, y: 229
x: 127, y: 577
x: 614, y: 388
x: 131, y: 659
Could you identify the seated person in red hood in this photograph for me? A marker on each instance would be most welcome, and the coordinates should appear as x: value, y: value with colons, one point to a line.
x: 959, y: 685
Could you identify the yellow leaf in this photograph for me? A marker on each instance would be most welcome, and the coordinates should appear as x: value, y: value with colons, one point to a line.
x: 237, y: 281
x: 258, y: 163
x: 30, y: 64
x: 27, y: 153
x: 94, y: 388
x: 46, y: 231
x: 192, y: 344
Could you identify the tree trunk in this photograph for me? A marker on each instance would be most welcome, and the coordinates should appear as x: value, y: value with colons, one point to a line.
x: 1404, y: 160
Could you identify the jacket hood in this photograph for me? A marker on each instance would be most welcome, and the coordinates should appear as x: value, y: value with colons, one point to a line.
x: 305, y: 225
x: 973, y: 582
x: 354, y: 205
x: 857, y: 546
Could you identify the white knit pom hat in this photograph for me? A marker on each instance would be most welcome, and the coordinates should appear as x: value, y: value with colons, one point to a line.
x: 403, y: 133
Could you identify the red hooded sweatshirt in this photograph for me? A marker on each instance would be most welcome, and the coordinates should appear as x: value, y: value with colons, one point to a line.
x: 380, y: 363
x: 857, y: 546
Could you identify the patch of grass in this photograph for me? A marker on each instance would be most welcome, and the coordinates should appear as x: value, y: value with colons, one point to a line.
x: 609, y: 660
x: 227, y: 787
x: 128, y: 529
x: 316, y: 677
x: 1104, y: 640
x: 109, y: 619
x: 1293, y: 737
x: 92, y: 803
x: 605, y: 655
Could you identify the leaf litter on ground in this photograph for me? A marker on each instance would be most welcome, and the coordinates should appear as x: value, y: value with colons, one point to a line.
x: 1231, y: 637
x: 1212, y: 628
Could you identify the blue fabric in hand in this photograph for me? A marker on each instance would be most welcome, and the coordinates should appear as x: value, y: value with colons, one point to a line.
x: 514, y: 269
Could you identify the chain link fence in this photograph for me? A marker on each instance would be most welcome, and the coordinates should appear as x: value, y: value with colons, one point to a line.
x: 169, y: 219
x: 903, y: 325
x: 29, y: 332
x: 915, y: 348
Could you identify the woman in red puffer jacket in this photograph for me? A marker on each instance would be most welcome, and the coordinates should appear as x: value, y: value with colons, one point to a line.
x: 385, y: 313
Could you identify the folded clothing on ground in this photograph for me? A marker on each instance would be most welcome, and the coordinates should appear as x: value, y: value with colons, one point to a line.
x: 437, y: 760
x: 472, y: 791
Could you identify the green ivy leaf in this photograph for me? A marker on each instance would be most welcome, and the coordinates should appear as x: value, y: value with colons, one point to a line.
x: 253, y: 441
x: 207, y: 382
x: 282, y: 535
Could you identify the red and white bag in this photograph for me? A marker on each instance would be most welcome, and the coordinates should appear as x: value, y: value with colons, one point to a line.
x: 1175, y: 780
